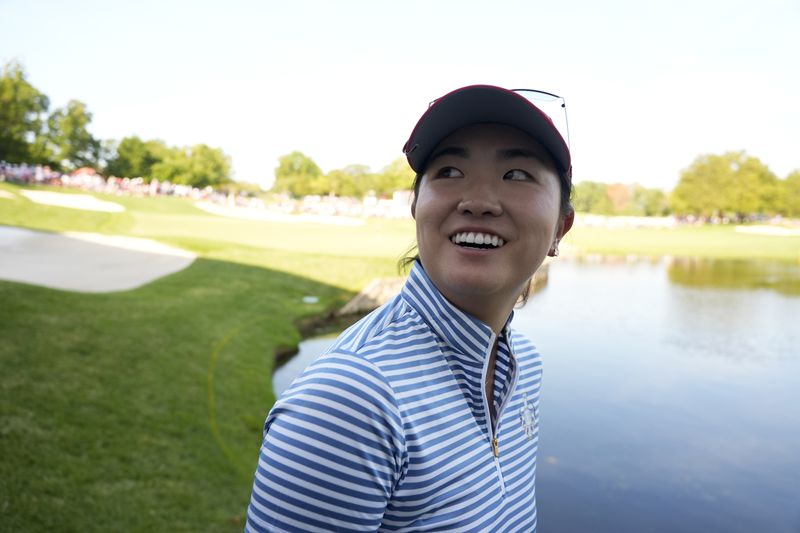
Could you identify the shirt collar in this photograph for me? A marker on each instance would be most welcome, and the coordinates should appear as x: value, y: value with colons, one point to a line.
x: 460, y: 330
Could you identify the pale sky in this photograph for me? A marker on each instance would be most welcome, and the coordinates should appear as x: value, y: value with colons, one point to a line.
x: 648, y: 85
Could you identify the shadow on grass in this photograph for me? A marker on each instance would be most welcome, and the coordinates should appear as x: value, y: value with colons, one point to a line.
x: 142, y: 409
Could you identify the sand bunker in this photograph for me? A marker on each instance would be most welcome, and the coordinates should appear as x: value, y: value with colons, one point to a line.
x: 73, y: 201
x: 86, y: 262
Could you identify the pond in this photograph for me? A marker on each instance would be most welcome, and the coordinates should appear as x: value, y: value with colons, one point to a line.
x: 671, y: 395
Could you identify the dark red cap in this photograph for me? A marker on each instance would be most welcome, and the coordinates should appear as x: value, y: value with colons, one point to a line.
x: 478, y: 104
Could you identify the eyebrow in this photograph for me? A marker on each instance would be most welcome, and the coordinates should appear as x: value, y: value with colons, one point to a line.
x: 449, y: 150
x: 514, y: 153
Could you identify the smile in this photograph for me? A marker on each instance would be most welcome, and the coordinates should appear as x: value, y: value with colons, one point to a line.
x: 477, y: 240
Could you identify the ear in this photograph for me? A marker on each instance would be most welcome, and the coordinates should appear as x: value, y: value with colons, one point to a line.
x: 414, y: 208
x: 566, y: 223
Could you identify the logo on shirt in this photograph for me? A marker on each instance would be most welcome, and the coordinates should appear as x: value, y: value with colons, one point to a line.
x: 527, y: 417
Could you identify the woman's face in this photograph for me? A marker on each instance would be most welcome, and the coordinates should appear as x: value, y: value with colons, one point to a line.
x: 487, y: 213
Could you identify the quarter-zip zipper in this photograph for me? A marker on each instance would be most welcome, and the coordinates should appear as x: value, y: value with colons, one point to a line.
x: 494, y: 427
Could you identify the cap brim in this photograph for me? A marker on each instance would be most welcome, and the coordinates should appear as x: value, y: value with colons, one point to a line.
x: 478, y: 104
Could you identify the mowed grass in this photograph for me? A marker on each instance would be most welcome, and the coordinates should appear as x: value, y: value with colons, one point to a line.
x: 720, y: 242
x: 142, y: 410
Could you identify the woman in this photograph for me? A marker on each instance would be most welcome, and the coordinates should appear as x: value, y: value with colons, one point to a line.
x: 423, y: 416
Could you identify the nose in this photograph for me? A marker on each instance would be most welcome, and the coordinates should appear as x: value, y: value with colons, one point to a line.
x: 479, y: 198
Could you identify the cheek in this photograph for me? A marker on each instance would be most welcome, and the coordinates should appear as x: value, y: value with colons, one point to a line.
x: 538, y: 218
x: 548, y: 207
x: 430, y: 215
x: 426, y: 206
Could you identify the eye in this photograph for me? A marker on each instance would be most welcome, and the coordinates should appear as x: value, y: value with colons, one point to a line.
x: 517, y: 175
x: 449, y: 172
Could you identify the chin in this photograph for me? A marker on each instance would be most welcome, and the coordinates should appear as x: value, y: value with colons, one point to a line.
x: 481, y: 285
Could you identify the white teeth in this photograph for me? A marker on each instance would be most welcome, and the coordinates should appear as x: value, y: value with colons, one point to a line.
x: 477, y: 238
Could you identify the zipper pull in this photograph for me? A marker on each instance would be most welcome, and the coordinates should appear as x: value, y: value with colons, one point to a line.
x: 495, y: 447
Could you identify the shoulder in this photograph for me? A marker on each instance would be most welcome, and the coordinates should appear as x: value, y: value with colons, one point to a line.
x: 349, y: 376
x: 333, y: 449
x: 391, y: 325
x: 344, y: 397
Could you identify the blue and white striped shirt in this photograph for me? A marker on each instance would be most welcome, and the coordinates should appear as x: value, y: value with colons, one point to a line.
x: 389, y: 430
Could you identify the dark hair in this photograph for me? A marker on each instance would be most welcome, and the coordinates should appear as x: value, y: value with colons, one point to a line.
x: 565, y: 187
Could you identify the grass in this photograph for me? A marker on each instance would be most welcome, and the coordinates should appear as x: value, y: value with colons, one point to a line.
x: 721, y: 242
x: 142, y: 410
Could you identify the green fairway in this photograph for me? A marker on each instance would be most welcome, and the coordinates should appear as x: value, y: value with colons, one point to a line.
x: 686, y: 241
x: 142, y: 410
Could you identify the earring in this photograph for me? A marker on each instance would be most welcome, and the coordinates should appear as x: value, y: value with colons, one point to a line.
x: 554, y: 250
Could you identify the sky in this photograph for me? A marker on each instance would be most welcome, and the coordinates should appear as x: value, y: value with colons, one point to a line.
x: 649, y: 86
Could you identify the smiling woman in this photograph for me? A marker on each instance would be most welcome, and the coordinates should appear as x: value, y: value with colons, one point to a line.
x: 424, y: 415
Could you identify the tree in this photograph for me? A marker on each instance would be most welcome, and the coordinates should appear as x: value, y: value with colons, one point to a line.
x: 732, y: 184
x: 341, y: 183
x: 71, y: 141
x: 22, y: 109
x: 357, y: 180
x: 591, y: 197
x: 294, y: 173
x: 361, y: 178
x: 649, y: 202
x: 135, y: 158
x: 696, y: 188
x: 106, y: 154
x: 620, y: 196
x: 198, y: 166
x: 208, y: 166
x: 756, y: 188
x: 789, y: 195
x: 396, y: 176
x: 172, y: 165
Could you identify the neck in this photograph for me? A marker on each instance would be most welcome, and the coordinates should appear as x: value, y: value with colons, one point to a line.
x: 492, y: 313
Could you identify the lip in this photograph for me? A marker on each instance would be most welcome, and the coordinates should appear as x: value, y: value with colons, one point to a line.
x: 474, y: 252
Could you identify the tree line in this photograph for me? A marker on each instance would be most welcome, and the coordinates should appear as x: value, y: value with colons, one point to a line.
x: 619, y: 199
x: 732, y: 186
x: 298, y: 175
x: 32, y: 134
x: 198, y: 165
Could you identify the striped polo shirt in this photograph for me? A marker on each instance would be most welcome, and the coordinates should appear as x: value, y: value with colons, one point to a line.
x: 390, y: 431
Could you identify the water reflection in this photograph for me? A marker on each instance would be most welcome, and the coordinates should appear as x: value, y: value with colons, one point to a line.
x: 666, y: 407
x: 783, y: 277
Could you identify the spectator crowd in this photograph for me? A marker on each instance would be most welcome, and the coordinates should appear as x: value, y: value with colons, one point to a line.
x: 88, y: 179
